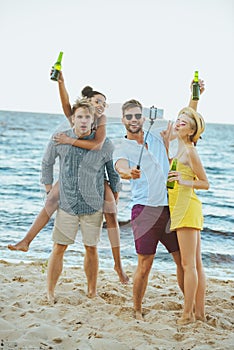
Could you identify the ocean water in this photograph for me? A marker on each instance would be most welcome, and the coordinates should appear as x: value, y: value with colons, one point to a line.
x: 23, y: 138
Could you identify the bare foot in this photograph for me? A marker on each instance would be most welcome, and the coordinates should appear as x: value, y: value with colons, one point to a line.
x: 185, y: 320
x: 51, y: 298
x: 200, y: 318
x: 138, y: 316
x: 124, y: 279
x: 92, y: 295
x: 22, y: 245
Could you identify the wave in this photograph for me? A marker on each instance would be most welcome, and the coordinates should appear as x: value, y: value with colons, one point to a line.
x: 227, y: 217
x: 208, y: 258
x: 218, y: 232
x: 218, y: 258
x: 217, y: 205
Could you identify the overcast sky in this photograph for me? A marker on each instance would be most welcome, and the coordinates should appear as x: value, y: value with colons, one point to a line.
x: 143, y: 49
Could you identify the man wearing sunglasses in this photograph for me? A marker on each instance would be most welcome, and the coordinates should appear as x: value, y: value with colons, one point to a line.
x: 150, y: 213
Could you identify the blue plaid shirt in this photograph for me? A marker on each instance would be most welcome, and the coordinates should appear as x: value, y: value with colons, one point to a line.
x: 81, y: 174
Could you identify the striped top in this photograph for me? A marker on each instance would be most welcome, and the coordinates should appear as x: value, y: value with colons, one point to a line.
x: 81, y: 174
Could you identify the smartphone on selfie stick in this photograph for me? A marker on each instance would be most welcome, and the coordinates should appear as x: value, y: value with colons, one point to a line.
x: 152, y: 113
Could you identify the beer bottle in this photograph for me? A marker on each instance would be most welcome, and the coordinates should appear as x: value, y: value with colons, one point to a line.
x: 196, y: 87
x: 57, y: 68
x: 171, y: 184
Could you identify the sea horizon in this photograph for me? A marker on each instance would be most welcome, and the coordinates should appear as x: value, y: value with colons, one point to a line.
x: 108, y: 115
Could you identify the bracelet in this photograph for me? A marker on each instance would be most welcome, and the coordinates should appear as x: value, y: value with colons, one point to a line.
x: 48, y: 192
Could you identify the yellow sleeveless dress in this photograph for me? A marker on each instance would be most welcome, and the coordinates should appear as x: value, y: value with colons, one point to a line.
x: 185, y: 207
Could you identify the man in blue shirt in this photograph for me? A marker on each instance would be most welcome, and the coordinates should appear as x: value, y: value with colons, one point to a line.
x: 81, y: 190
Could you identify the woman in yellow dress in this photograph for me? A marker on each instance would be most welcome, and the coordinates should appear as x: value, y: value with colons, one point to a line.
x: 186, y: 212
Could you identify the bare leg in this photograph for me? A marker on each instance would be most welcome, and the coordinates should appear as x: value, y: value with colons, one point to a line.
x: 187, y: 238
x: 140, y: 282
x: 201, y: 289
x: 91, y: 269
x: 113, y: 234
x: 179, y: 270
x: 110, y: 213
x: 55, y: 268
x: 51, y: 205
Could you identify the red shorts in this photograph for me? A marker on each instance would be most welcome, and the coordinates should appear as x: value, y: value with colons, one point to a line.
x: 152, y: 225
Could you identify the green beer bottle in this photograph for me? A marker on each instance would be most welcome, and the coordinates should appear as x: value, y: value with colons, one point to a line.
x: 196, y: 87
x: 57, y: 68
x: 171, y: 184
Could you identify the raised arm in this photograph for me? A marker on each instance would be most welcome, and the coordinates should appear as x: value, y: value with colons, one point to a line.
x: 64, y: 97
x: 193, y: 103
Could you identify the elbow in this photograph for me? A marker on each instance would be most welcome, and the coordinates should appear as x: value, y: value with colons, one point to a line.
x: 207, y: 186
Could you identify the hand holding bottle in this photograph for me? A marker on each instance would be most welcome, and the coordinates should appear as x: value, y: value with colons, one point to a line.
x: 56, y: 69
x: 61, y: 78
x: 195, y: 87
x: 201, y: 85
x: 171, y: 175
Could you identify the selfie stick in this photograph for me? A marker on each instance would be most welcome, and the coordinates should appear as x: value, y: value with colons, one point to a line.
x: 152, y: 117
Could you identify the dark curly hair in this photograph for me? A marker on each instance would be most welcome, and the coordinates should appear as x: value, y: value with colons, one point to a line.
x: 89, y: 92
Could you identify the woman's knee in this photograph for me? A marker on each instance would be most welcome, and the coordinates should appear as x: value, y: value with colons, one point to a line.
x: 110, y: 207
x: 188, y: 264
x: 199, y: 265
x: 111, y: 219
x: 51, y: 203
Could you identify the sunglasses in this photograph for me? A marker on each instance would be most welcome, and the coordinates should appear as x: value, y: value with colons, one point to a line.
x: 130, y: 116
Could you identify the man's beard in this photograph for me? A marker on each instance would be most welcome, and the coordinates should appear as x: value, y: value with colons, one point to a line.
x: 136, y: 131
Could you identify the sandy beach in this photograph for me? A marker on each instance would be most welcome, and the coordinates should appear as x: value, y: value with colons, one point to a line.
x: 106, y: 322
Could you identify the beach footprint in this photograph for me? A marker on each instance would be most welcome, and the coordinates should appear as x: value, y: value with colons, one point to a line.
x: 113, y: 297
